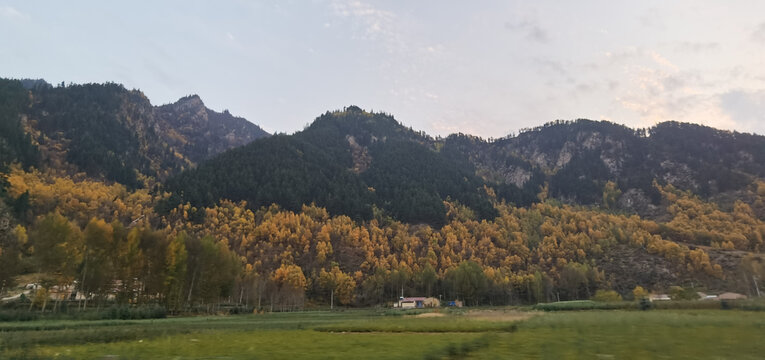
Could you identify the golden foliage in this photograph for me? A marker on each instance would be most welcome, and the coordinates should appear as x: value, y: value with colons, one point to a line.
x: 81, y: 199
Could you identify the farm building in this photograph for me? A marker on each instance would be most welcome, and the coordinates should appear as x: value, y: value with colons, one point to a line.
x: 731, y: 296
x: 417, y: 302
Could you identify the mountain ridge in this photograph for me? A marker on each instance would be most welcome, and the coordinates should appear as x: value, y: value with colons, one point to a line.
x: 551, y: 212
x: 576, y: 159
x: 110, y: 132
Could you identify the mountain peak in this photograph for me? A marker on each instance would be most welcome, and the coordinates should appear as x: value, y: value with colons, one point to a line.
x: 189, y: 101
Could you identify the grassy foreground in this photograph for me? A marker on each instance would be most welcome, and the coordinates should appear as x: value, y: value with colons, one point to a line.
x: 487, y: 334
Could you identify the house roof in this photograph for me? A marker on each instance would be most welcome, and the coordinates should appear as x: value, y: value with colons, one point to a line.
x: 413, y: 299
x: 731, y: 296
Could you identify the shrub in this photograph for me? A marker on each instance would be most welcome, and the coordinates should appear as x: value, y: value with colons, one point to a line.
x: 607, y: 296
x: 639, y: 293
x: 681, y: 293
x: 645, y: 303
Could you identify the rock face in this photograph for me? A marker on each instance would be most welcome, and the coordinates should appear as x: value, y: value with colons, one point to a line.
x: 200, y: 133
x: 578, y: 157
x: 635, y: 201
x: 360, y: 154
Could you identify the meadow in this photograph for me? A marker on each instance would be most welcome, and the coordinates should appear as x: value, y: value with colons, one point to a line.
x: 472, y: 334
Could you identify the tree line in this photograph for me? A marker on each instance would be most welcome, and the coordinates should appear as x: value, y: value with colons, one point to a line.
x: 107, y: 242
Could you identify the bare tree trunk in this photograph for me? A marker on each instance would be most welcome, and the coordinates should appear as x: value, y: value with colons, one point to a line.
x: 58, y: 298
x: 82, y: 284
x: 260, y: 296
x: 191, y: 286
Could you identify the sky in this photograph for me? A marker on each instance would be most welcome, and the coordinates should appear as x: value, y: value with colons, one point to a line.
x: 488, y: 68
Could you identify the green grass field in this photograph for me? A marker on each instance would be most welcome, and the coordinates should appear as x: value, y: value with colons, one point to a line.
x: 484, y: 334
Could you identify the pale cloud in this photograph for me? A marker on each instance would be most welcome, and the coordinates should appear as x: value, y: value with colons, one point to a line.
x: 747, y: 108
x: 530, y: 29
x: 661, y: 60
x: 696, y: 47
x: 443, y: 67
x: 647, y: 87
x: 759, y: 34
x: 696, y: 108
x: 666, y: 93
x: 375, y: 24
x: 430, y: 96
x: 629, y: 53
x: 10, y: 12
x: 652, y: 18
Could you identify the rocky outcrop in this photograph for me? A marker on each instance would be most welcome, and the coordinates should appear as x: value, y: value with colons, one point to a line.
x: 200, y: 133
x: 360, y: 154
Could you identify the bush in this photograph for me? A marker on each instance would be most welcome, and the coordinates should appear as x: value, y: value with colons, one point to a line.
x: 639, y: 293
x: 681, y: 293
x: 607, y: 296
x: 645, y: 304
x: 18, y: 315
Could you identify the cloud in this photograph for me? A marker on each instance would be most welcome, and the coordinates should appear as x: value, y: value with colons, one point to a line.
x: 696, y: 47
x: 531, y: 29
x: 553, y: 66
x: 759, y: 34
x: 696, y: 108
x: 10, y: 12
x: 620, y: 57
x: 746, y: 109
x: 662, y: 93
x: 375, y: 24
x: 661, y: 60
x: 652, y: 18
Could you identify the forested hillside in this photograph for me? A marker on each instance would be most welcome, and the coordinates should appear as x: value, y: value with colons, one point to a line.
x: 360, y: 206
x: 581, y: 156
x: 112, y: 133
x: 352, y: 162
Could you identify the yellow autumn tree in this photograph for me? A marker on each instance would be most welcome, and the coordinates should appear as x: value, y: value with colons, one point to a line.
x: 340, y: 284
x: 290, y: 283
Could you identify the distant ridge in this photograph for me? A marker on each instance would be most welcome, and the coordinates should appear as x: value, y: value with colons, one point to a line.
x: 113, y: 133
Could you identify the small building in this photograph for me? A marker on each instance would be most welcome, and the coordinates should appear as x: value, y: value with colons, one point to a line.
x: 431, y: 302
x: 731, y: 296
x: 659, y: 297
x: 417, y: 302
x: 411, y: 302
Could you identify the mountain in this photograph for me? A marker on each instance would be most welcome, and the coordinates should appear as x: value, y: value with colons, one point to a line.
x: 580, y: 157
x: 200, y: 133
x: 116, y: 134
x: 351, y: 162
x: 16, y: 144
x: 547, y: 214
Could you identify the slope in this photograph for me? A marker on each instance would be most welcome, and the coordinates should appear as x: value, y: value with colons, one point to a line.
x: 350, y: 162
x: 112, y: 133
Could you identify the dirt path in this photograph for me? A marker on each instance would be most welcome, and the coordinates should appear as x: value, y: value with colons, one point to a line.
x: 486, y: 315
